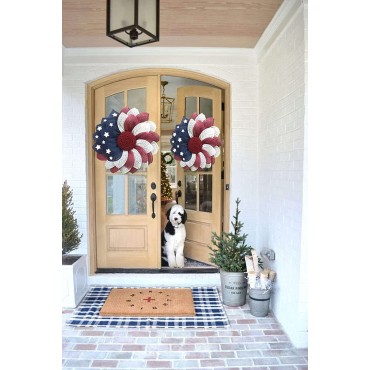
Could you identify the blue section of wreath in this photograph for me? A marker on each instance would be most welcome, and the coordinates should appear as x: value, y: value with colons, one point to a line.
x: 179, y: 141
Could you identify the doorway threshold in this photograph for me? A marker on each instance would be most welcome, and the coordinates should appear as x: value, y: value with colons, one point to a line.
x: 163, y: 270
x: 191, y: 267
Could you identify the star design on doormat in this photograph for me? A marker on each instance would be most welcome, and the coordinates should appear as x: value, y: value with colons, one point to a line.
x: 149, y: 299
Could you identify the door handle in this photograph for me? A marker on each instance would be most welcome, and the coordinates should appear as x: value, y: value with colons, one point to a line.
x: 178, y: 194
x: 153, y: 198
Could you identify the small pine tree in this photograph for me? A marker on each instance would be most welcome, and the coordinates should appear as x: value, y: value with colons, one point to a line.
x: 231, y: 248
x: 71, y: 238
x: 166, y: 191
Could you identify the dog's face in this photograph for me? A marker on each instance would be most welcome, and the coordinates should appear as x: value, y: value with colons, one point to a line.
x: 176, y: 215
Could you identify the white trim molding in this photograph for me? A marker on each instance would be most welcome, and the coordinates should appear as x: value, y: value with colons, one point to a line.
x: 156, y: 56
x: 280, y: 20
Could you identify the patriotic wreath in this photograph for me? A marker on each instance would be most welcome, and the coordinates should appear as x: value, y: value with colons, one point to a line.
x: 195, y: 143
x: 126, y: 140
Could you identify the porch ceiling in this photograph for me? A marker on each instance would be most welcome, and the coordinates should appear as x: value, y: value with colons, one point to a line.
x: 188, y: 23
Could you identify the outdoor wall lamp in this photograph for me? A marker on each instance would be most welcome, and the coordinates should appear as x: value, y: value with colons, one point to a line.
x: 133, y: 22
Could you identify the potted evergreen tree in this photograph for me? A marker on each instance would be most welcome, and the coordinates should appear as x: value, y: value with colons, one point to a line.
x: 74, y: 266
x: 229, y: 255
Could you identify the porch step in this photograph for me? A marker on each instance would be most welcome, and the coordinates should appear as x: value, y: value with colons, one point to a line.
x: 155, y: 280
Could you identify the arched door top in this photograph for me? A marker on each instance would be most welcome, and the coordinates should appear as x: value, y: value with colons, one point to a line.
x: 176, y: 72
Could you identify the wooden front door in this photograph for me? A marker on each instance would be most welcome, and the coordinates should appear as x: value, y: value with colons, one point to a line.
x: 127, y: 236
x: 201, y: 191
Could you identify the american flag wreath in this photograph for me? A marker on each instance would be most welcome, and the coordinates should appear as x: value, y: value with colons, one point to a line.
x: 195, y: 142
x: 126, y: 140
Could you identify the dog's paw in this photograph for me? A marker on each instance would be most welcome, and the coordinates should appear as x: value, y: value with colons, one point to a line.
x: 180, y: 261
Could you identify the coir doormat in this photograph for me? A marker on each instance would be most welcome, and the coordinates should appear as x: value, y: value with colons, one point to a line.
x: 209, y: 312
x: 148, y: 302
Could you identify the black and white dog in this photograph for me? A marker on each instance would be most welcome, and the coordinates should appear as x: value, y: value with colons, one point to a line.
x: 173, y: 237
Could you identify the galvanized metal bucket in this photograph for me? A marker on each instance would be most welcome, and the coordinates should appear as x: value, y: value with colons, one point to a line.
x: 259, y: 301
x: 233, y: 288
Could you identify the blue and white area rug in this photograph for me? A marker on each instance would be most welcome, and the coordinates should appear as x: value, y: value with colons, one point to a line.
x: 208, y: 309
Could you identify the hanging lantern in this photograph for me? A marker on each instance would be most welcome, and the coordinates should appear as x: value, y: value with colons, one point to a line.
x: 166, y: 105
x: 133, y: 22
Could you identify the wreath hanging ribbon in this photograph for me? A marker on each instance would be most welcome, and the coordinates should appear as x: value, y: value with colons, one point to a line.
x: 126, y: 140
x: 195, y: 143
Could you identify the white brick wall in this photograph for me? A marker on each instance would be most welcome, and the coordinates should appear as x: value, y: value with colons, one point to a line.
x: 236, y: 66
x: 282, y: 159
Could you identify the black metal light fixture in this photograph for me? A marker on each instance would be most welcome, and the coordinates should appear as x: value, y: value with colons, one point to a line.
x: 133, y: 22
x: 166, y: 105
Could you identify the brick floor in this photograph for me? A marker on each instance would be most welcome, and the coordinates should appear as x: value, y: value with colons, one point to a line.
x: 248, y: 343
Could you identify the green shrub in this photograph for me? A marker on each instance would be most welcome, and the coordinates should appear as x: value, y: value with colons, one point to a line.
x: 71, y: 238
x: 231, y: 248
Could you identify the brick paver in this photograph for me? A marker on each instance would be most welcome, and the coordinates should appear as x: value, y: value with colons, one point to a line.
x: 248, y: 343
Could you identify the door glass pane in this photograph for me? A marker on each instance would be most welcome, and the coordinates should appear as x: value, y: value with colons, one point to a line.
x: 191, y: 192
x: 205, y: 106
x: 115, y: 102
x: 115, y: 194
x: 190, y: 106
x: 205, y: 193
x: 137, y: 99
x: 126, y: 193
x: 136, y: 194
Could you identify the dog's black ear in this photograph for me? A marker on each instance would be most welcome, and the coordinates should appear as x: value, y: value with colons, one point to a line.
x: 184, y: 217
x: 168, y: 213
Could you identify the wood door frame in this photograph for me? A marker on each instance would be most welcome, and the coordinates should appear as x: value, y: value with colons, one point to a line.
x: 90, y: 128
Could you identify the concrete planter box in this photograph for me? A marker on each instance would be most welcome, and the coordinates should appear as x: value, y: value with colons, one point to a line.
x: 74, y: 279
